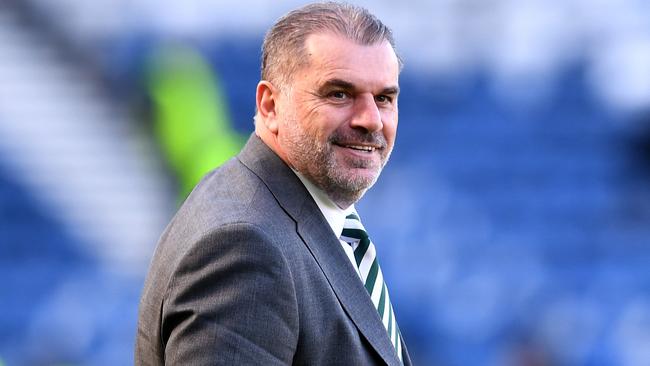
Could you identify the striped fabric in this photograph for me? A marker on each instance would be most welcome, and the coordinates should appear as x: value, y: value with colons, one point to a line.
x: 365, y: 257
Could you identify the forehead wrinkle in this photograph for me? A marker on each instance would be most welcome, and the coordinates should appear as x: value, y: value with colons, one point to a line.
x: 329, y: 66
x: 349, y: 75
x: 351, y: 85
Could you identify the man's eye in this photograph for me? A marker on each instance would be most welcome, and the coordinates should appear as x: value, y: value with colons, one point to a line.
x: 338, y: 95
x: 383, y: 99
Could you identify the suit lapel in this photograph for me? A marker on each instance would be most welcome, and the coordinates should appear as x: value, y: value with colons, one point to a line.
x: 321, y: 242
x: 350, y: 291
x: 407, y: 358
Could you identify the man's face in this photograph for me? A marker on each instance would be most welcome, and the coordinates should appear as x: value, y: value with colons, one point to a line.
x: 338, y: 115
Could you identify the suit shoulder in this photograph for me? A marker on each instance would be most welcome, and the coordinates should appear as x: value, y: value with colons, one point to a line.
x: 230, y: 199
x: 225, y: 195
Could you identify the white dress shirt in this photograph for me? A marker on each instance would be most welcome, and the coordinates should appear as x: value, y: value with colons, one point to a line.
x: 334, y: 215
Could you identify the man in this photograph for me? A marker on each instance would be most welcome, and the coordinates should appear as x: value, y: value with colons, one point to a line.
x: 266, y: 263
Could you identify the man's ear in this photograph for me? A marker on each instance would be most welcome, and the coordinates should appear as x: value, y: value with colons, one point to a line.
x: 266, y: 97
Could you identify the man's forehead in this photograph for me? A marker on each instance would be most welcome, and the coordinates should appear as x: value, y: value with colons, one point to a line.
x: 334, y: 57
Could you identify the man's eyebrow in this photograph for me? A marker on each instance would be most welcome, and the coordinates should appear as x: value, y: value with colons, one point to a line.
x: 392, y: 90
x: 346, y: 85
x: 337, y: 83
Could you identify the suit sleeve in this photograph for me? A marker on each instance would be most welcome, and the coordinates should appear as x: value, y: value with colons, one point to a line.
x: 231, y: 301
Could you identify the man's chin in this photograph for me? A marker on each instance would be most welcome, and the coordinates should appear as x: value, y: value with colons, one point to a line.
x: 357, y: 179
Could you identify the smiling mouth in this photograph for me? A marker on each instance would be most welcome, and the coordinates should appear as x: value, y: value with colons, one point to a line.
x: 359, y: 141
x: 363, y: 148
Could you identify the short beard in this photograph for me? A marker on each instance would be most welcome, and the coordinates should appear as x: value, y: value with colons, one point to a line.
x: 318, y: 162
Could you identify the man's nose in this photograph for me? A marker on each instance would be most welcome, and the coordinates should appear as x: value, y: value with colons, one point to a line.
x: 366, y: 114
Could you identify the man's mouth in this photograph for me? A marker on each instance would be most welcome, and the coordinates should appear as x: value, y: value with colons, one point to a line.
x: 364, y: 148
x: 366, y: 143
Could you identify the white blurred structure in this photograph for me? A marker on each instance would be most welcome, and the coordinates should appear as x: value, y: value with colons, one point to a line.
x: 78, y: 153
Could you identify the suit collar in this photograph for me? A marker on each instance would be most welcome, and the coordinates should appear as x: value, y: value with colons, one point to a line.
x: 315, y: 231
x: 334, y: 215
x: 276, y: 175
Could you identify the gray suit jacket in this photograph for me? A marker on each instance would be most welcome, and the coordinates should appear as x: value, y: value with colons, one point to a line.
x: 249, y: 273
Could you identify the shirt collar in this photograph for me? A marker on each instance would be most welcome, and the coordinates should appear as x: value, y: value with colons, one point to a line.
x: 334, y: 215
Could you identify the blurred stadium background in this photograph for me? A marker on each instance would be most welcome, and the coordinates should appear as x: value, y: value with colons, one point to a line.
x: 513, y: 220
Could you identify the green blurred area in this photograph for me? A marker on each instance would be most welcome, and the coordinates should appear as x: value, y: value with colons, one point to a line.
x: 192, y: 123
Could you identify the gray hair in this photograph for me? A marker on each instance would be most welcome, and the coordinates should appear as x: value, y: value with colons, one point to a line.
x: 283, y: 51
